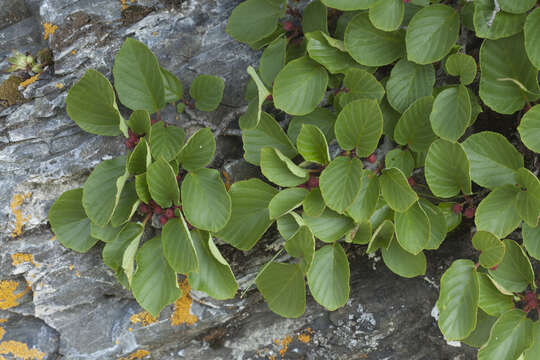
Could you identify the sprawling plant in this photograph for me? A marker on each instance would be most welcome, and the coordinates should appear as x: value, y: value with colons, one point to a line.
x: 162, y: 177
x: 343, y: 73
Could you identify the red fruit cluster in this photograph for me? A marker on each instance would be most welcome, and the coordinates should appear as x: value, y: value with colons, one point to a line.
x: 313, y: 182
x: 372, y: 158
x: 166, y: 214
x: 468, y: 212
x: 411, y: 181
x: 132, y: 140
x: 530, y: 301
x: 457, y: 208
x: 288, y: 26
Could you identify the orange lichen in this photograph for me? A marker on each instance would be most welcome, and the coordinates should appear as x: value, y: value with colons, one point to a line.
x: 155, y: 33
x: 48, y: 29
x: 3, y: 320
x: 74, y: 52
x: 305, y: 337
x: 30, y: 80
x: 137, y: 355
x: 20, y: 350
x: 15, y: 205
x: 19, y: 258
x: 71, y: 267
x: 182, y: 307
x: 53, y: 238
x: 8, y: 298
x: 2, y: 332
x: 144, y: 317
x: 284, y: 344
x: 77, y: 273
x: 59, y: 85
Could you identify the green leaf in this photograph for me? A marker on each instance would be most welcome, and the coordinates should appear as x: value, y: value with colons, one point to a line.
x: 390, y: 118
x: 506, y: 59
x: 271, y: 62
x: 322, y: 118
x: 382, y: 212
x: 289, y: 224
x: 370, y: 46
x: 491, y: 248
x: 106, y: 233
x: 409, y: 82
x: 401, y: 159
x: 532, y: 42
x: 178, y: 246
x: 330, y: 226
x: 532, y: 352
x: 328, y: 277
x: 253, y: 114
x: 493, y: 159
x: 315, y: 17
x: 412, y: 229
x: 140, y: 158
x: 302, y: 244
x: 366, y: 202
x: 70, y: 223
x: 516, y: 7
x: 414, y: 127
x: 137, y: 77
x: 529, y: 128
x: 113, y: 251
x: 127, y: 205
x: 280, y: 169
x: 300, y: 86
x: 396, y: 190
x: 162, y: 184
x: 214, y: 277
x: 361, y: 234
x: 461, y: 65
x: 451, y: 218
x: 480, y: 335
x: 431, y: 33
x: 502, y: 25
x: 382, y: 237
x: 286, y: 201
x: 154, y: 282
x: 173, y: 86
x: 528, y: 199
x: 402, y: 262
x: 166, y: 141
x: 340, y: 182
x: 207, y: 91
x: 198, y: 151
x: 491, y: 300
x: 531, y: 240
x: 458, y: 300
x: 514, y: 272
x: 497, y: 212
x: 447, y: 169
x: 387, y: 15
x: 360, y: 84
x: 205, y: 200
x: 312, y: 144
x: 349, y: 5
x: 510, y: 336
x: 267, y: 133
x: 128, y: 260
x: 451, y: 113
x: 102, y: 189
x: 437, y: 222
x: 283, y: 289
x: 91, y: 104
x: 141, y: 187
x: 250, y: 215
x: 359, y: 126
x: 329, y: 56
x: 139, y: 122
x: 254, y: 20
x: 313, y: 204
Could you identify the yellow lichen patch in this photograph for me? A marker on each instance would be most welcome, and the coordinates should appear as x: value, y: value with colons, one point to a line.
x: 77, y: 273
x: 49, y: 29
x: 182, y: 307
x: 19, y: 258
x: 15, y: 205
x: 74, y: 52
x: 71, y: 267
x: 59, y: 85
x: 144, y: 317
x: 137, y: 355
x: 2, y: 332
x: 32, y: 80
x: 123, y: 4
x: 305, y: 337
x: 3, y: 320
x: 53, y: 238
x: 155, y: 33
x: 20, y: 350
x: 284, y: 344
x: 8, y: 298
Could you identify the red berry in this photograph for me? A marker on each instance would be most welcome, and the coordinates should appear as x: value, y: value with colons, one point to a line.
x: 469, y: 213
x: 494, y: 268
x: 270, y: 98
x: 163, y: 219
x: 145, y: 209
x: 313, y: 182
x: 288, y: 26
x: 169, y: 213
x: 157, y: 209
x: 411, y: 181
x: 372, y: 158
x: 457, y: 208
